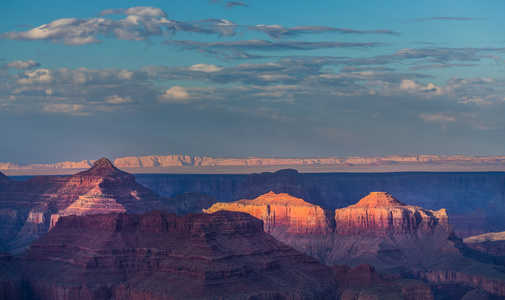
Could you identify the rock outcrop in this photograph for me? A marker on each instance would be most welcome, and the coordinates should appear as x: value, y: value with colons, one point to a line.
x: 30, y: 208
x: 283, y: 212
x: 380, y: 213
x: 390, y: 235
x: 162, y: 256
x: 491, y: 243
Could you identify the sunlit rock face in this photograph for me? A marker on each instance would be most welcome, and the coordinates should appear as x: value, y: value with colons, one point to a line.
x: 282, y: 211
x: 163, y: 256
x: 492, y: 243
x: 380, y: 213
x: 386, y: 233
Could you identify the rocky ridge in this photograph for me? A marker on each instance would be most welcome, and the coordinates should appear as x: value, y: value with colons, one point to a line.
x: 492, y: 243
x: 380, y: 213
x: 394, y: 237
x: 225, y: 255
x: 283, y: 212
x: 184, y: 160
x: 30, y: 208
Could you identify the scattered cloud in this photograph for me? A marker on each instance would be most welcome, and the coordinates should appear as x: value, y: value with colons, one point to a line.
x: 175, y: 94
x: 22, y: 65
x: 140, y: 24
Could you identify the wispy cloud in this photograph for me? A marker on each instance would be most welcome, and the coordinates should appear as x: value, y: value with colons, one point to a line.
x: 439, y: 66
x: 278, y: 31
x: 261, y: 45
x: 230, y: 4
x: 445, y: 19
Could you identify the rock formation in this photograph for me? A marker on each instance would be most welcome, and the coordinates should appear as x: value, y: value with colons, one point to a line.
x: 380, y: 213
x: 224, y: 255
x: 283, y: 212
x: 30, y: 208
x: 390, y: 235
x: 162, y: 256
x: 492, y: 243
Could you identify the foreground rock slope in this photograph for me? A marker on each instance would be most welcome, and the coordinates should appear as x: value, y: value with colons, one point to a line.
x: 225, y: 255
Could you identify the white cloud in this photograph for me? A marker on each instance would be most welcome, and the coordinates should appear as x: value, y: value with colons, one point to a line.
x: 205, y: 68
x: 35, y: 77
x: 175, y: 94
x: 23, y: 65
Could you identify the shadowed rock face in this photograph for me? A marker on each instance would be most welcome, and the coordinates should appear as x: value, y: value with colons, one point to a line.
x: 287, y: 181
x: 283, y: 212
x: 162, y: 256
x: 30, y: 208
x: 475, y: 200
x: 224, y: 255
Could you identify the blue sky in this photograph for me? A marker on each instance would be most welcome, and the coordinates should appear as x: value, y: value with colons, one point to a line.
x: 253, y: 78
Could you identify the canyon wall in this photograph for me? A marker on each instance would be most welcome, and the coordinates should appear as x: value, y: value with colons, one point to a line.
x: 475, y: 201
x: 384, y: 232
x: 154, y: 161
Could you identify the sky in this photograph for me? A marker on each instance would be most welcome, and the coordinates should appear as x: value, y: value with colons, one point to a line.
x: 86, y: 79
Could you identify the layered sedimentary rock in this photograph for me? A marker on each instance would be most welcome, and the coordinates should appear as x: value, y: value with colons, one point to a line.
x: 29, y: 208
x: 162, y: 256
x: 394, y: 237
x: 475, y: 201
x: 283, y: 212
x: 380, y: 213
x: 492, y: 243
x: 184, y: 160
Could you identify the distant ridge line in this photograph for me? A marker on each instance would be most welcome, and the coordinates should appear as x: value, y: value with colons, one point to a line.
x: 154, y: 161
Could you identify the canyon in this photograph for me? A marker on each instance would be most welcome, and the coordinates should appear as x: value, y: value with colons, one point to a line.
x: 475, y: 201
x: 136, y: 230
x: 157, y: 255
x: 29, y: 209
x: 379, y: 230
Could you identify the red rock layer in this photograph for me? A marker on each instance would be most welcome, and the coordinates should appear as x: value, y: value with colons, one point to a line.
x: 30, y: 208
x: 162, y: 256
x: 380, y: 213
x: 283, y: 212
